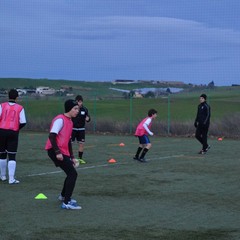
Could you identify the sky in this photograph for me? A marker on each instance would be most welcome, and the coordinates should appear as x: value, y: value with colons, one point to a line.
x: 192, y: 41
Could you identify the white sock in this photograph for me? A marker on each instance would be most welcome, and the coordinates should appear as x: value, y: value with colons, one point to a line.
x: 11, y: 170
x: 3, y: 167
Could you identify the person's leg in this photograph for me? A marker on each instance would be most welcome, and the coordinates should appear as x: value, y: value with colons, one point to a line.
x: 81, y: 141
x: 3, y: 166
x: 80, y: 150
x: 69, y: 182
x: 198, y: 135
x: 73, y: 136
x: 12, y: 169
x: 63, y: 189
x: 12, y: 151
x: 147, y: 145
x: 204, y: 139
x: 3, y: 155
x: 139, y: 150
x: 145, y: 150
x: 52, y: 156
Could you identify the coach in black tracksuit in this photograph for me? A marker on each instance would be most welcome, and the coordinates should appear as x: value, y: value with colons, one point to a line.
x: 78, y: 132
x: 202, y: 123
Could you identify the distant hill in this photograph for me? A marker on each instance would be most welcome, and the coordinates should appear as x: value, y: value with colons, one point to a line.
x: 113, y: 112
x: 92, y: 89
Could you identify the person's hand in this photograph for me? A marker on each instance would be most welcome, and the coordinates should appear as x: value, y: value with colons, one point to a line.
x: 151, y: 133
x: 75, y: 162
x: 87, y: 119
x: 59, y: 157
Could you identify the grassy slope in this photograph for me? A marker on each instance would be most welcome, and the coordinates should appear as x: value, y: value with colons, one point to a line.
x: 181, y: 109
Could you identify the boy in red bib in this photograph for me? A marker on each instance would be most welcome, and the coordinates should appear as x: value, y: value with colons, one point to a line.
x: 142, y: 132
x: 59, y: 149
x: 12, y: 119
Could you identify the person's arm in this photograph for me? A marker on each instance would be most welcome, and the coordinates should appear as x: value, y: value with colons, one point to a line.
x: 88, y: 118
x: 22, y: 119
x: 56, y: 128
x: 146, y: 124
x: 207, y: 114
x: 52, y: 138
x: 196, y: 119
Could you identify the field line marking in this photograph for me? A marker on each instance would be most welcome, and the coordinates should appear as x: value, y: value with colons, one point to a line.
x: 172, y: 156
x: 99, y: 166
x: 60, y: 171
x: 46, y: 173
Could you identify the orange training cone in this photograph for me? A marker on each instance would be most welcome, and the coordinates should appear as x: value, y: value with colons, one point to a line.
x: 220, y: 139
x: 121, y: 144
x: 112, y: 160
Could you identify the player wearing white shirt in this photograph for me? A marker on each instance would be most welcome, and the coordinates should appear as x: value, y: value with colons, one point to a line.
x: 59, y: 148
x: 12, y: 119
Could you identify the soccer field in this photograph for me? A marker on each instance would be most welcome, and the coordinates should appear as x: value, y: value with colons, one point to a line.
x: 177, y: 195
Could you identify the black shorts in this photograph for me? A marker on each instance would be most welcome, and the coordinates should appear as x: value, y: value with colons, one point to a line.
x: 8, y: 141
x: 78, y: 135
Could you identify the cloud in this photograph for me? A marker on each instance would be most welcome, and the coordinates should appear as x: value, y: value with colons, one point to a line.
x: 119, y: 27
x: 112, y: 39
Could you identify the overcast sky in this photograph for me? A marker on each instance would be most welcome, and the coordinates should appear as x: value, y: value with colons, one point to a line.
x: 194, y: 41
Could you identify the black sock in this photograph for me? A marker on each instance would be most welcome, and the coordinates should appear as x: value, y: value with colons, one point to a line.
x: 80, y: 154
x: 138, y: 152
x: 145, y: 150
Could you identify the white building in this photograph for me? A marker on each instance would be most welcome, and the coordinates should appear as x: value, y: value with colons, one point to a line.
x: 45, y: 90
x: 21, y: 91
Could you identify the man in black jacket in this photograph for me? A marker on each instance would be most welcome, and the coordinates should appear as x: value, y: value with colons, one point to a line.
x: 202, y: 123
x: 78, y: 132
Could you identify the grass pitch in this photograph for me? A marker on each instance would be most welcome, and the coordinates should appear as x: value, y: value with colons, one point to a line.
x: 177, y: 195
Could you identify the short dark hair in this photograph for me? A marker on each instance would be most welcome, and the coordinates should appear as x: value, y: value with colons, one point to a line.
x: 204, y: 96
x: 13, y: 94
x: 79, y: 98
x: 151, y: 112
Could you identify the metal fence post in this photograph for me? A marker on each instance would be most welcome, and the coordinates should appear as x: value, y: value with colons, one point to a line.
x: 130, y: 127
x: 94, y: 112
x: 169, y: 114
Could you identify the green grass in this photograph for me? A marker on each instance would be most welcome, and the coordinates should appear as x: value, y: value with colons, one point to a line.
x: 180, y: 107
x: 177, y: 195
x: 110, y: 112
